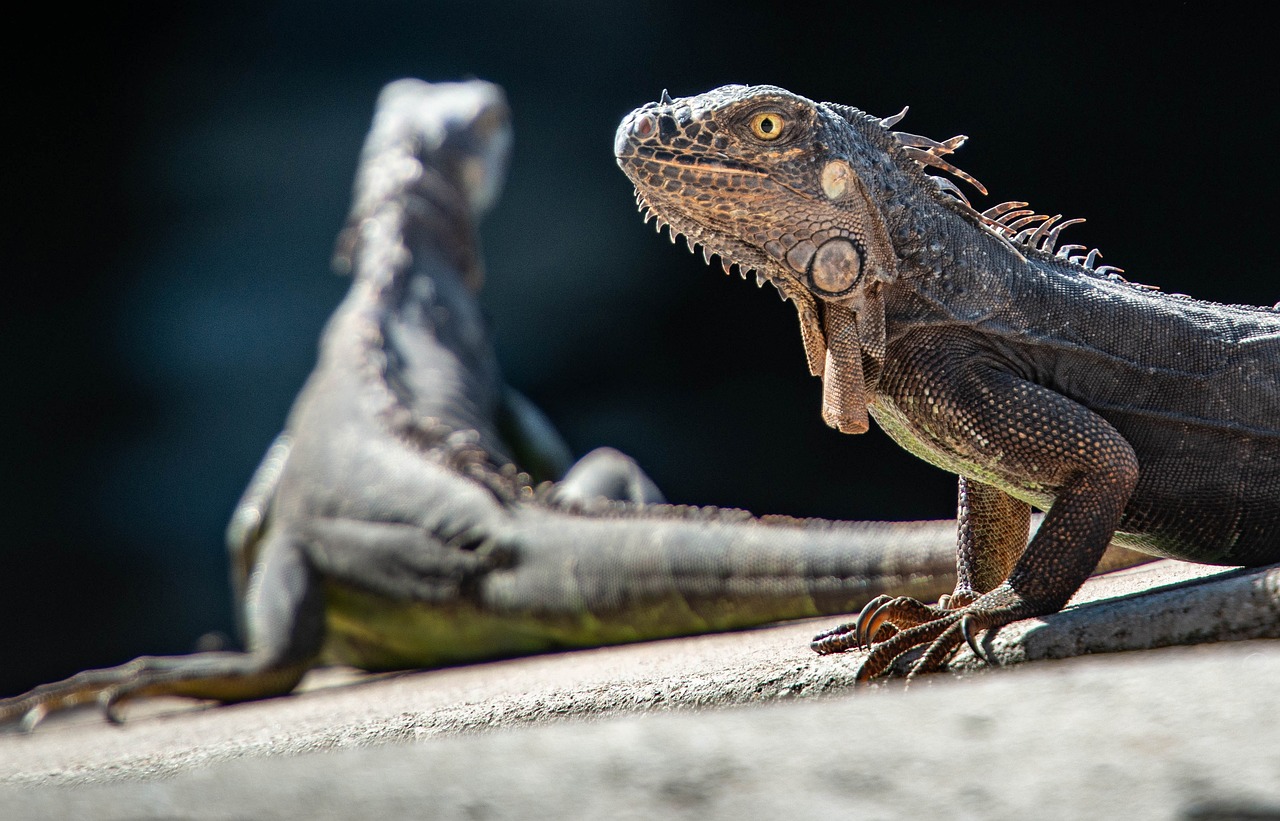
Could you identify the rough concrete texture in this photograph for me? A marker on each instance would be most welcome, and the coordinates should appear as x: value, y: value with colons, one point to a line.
x: 1188, y: 732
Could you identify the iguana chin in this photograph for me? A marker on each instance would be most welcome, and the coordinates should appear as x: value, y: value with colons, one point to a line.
x: 393, y: 524
x: 980, y: 346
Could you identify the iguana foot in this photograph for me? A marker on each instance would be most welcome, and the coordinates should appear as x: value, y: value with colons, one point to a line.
x: 220, y: 676
x: 902, y: 624
x: 884, y: 614
x: 853, y: 634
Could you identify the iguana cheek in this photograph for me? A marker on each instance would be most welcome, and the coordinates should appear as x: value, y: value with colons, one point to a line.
x: 800, y: 254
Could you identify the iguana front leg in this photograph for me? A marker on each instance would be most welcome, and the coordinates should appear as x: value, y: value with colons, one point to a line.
x: 1024, y: 436
x: 992, y: 534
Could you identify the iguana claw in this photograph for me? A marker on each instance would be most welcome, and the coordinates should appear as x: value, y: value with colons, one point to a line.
x: 969, y: 633
x: 870, y: 619
x: 934, y: 633
x: 895, y: 615
x: 32, y: 718
x: 883, y: 613
x: 940, y: 631
x: 850, y: 634
x: 107, y: 702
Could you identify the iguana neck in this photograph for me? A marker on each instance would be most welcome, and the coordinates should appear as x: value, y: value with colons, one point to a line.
x: 949, y: 266
x: 421, y: 343
x: 945, y: 257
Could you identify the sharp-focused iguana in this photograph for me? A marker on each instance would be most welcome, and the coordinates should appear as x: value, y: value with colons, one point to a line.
x: 981, y: 347
x: 389, y: 526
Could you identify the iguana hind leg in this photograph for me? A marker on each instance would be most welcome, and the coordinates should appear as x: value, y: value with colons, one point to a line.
x: 286, y: 627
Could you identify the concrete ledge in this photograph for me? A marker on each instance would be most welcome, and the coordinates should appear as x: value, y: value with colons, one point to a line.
x: 1156, y: 730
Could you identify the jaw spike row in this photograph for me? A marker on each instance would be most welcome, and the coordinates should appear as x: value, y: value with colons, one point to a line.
x: 726, y: 266
x: 688, y: 242
x: 706, y: 255
x: 659, y: 225
x: 672, y: 234
x: 759, y: 280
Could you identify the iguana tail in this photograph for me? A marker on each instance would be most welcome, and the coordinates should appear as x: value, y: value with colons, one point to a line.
x: 575, y: 580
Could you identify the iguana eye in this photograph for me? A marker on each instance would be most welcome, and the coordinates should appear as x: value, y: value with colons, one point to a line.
x: 768, y: 125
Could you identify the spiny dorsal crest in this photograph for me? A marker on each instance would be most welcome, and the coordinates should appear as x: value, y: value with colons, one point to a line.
x: 1012, y: 222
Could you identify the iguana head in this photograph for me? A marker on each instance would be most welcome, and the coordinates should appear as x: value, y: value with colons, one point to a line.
x: 778, y: 184
x: 444, y: 142
x: 765, y: 179
x: 463, y: 130
x: 804, y: 194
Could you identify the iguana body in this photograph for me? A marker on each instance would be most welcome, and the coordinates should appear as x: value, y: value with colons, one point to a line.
x: 389, y: 527
x: 1037, y: 378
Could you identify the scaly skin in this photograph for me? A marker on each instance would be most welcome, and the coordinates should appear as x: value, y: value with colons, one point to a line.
x: 392, y: 525
x: 1037, y: 378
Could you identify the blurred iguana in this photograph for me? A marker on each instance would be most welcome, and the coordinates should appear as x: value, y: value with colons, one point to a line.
x: 394, y: 524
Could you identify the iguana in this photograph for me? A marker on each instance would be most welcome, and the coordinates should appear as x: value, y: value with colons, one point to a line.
x: 1040, y: 378
x: 394, y: 523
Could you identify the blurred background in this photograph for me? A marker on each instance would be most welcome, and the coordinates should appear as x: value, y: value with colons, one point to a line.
x: 176, y: 177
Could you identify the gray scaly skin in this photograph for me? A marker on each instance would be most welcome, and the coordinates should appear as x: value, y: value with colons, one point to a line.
x: 979, y: 346
x: 389, y: 526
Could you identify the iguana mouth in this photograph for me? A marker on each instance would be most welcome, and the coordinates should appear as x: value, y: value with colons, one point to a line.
x: 710, y: 242
x: 661, y: 157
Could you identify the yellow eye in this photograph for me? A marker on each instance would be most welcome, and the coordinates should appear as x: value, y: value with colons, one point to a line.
x: 767, y: 125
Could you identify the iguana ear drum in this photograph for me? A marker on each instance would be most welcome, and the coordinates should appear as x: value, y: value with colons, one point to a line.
x: 836, y: 266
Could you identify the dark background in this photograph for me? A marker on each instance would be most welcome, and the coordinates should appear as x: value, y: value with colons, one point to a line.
x: 175, y: 179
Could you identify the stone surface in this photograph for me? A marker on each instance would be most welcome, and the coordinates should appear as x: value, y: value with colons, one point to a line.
x: 625, y: 732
